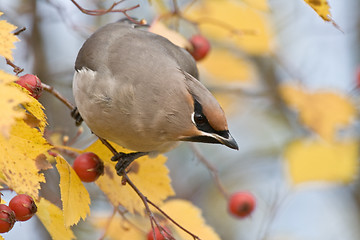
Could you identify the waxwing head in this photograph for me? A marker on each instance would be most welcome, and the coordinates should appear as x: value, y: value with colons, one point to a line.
x: 208, y: 122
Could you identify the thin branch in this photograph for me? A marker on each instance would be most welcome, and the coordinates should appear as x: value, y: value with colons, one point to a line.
x: 126, y: 179
x: 99, y: 12
x: 19, y: 31
x: 145, y: 200
x: 213, y: 171
x: 147, y: 208
x: 108, y: 145
x: 17, y: 69
x: 54, y: 92
x: 172, y: 220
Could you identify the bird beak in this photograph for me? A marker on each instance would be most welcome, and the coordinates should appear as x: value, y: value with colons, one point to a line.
x: 223, y: 137
x: 229, y: 142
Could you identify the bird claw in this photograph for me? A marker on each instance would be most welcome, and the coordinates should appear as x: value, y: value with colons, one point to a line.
x: 124, y: 160
x: 76, y: 115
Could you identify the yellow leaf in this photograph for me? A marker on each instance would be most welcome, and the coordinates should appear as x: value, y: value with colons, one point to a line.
x: 10, y: 99
x: 74, y: 196
x: 18, y: 158
x: 188, y: 216
x: 1, y: 238
x: 322, y: 161
x: 223, y: 65
x: 261, y: 5
x: 323, y: 112
x: 321, y: 7
x: 7, y: 39
x: 53, y: 220
x: 6, y: 77
x: 228, y: 20
x: 34, y: 107
x: 150, y: 175
x: 174, y: 37
x: 121, y: 229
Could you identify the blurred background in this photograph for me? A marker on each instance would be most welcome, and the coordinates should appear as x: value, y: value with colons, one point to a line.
x: 288, y: 82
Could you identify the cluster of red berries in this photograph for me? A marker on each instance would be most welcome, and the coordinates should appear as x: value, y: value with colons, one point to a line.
x: 88, y: 166
x: 21, y: 208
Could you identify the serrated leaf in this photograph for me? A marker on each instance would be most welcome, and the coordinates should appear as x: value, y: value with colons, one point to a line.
x: 53, y: 220
x: 7, y: 39
x: 233, y: 22
x: 10, y: 99
x: 18, y: 158
x: 321, y: 7
x: 322, y: 111
x: 310, y: 160
x: 74, y: 196
x: 150, y: 175
x: 188, y: 216
x: 34, y: 107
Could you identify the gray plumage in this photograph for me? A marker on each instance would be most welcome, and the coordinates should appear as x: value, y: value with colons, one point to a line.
x: 137, y: 89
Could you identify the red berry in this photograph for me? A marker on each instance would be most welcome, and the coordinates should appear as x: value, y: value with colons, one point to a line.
x: 358, y: 77
x: 201, y: 47
x: 88, y: 167
x: 24, y: 207
x: 7, y: 218
x: 158, y: 235
x: 32, y: 83
x: 241, y: 204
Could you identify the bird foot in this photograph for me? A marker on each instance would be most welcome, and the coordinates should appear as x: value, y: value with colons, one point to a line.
x: 124, y: 160
x: 76, y: 115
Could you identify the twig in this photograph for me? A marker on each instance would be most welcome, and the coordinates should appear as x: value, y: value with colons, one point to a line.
x: 17, y: 69
x: 147, y: 208
x: 99, y: 12
x: 213, y: 171
x: 20, y: 31
x: 172, y: 220
x: 132, y: 185
x: 53, y: 91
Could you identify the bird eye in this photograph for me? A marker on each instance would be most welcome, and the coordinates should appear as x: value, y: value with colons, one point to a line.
x: 199, y: 119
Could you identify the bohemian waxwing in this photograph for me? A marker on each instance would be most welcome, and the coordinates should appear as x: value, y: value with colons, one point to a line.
x: 139, y: 90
